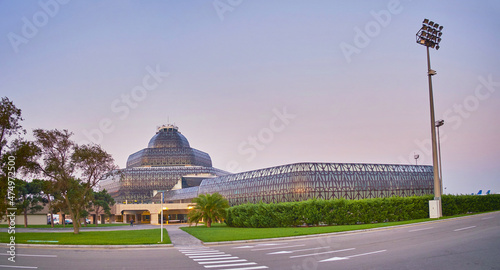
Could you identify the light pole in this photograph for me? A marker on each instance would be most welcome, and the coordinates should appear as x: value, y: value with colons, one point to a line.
x: 161, y: 221
x: 430, y: 36
x: 161, y: 209
x: 438, y: 124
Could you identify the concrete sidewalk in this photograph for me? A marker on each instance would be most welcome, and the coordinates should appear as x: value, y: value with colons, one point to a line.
x: 181, y: 238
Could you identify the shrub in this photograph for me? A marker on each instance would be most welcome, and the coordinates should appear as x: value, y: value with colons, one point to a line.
x: 347, y: 212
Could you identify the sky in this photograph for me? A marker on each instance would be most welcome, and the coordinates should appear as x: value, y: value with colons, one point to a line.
x: 261, y: 83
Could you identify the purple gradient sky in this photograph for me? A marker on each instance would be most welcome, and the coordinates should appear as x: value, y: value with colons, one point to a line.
x: 229, y: 73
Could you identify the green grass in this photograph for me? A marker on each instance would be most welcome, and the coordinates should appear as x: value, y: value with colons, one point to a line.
x: 222, y: 232
x: 123, y: 237
x: 21, y: 225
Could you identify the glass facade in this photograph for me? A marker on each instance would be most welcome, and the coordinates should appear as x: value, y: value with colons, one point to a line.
x: 303, y: 181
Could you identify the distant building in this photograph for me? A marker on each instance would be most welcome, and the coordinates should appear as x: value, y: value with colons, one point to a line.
x: 169, y: 164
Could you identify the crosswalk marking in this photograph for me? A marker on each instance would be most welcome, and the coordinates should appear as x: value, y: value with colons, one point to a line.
x: 229, y: 265
x: 211, y: 258
x: 226, y: 261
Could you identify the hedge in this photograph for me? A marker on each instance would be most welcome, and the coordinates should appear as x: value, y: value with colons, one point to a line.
x: 348, y: 212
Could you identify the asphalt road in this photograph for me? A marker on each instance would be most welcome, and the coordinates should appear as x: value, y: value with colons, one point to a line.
x: 465, y: 243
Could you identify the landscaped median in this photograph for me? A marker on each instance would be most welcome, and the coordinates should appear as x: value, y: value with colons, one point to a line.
x: 121, y: 237
x: 222, y: 232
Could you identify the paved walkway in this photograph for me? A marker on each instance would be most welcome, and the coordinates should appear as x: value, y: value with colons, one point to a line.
x: 181, y: 238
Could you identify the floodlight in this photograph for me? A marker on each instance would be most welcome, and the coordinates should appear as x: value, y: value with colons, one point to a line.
x: 431, y: 39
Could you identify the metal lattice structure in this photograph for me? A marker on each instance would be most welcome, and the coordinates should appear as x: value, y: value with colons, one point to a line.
x: 303, y: 181
x: 137, y: 184
x: 168, y: 162
x: 169, y: 148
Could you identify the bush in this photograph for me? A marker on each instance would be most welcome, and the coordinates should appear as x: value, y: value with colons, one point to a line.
x: 348, y: 212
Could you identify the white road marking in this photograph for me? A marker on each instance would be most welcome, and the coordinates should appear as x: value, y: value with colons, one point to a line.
x: 292, y: 251
x: 258, y: 245
x: 461, y: 229
x: 277, y: 247
x: 327, y: 252
x: 209, y: 256
x: 203, y: 253
x: 423, y: 229
x: 229, y: 265
x: 486, y: 218
x: 20, y: 267
x: 226, y: 261
x: 352, y: 256
x: 213, y: 259
x: 247, y: 268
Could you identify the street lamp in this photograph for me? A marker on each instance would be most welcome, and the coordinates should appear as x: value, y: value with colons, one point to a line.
x: 161, y: 206
x: 430, y: 36
x: 438, y: 124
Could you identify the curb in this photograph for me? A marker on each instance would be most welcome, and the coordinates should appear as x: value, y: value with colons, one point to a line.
x: 91, y: 246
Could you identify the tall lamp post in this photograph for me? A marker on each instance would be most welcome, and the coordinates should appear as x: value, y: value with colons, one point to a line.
x: 161, y: 216
x: 430, y: 36
x: 438, y: 124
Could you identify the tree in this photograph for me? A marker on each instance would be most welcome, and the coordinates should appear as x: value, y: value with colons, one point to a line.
x: 209, y: 207
x: 30, y: 198
x: 51, y: 196
x: 28, y: 194
x: 102, y: 201
x: 10, y: 118
x: 75, y: 170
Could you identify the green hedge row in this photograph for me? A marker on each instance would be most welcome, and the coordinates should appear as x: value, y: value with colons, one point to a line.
x: 348, y: 212
x: 463, y: 204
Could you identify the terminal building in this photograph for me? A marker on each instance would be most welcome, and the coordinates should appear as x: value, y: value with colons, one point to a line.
x: 169, y: 166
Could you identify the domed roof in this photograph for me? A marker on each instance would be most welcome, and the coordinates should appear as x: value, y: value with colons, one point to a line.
x: 168, y: 136
x: 168, y: 148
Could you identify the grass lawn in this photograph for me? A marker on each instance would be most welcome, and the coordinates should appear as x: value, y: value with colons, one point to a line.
x: 21, y: 225
x: 125, y: 237
x: 222, y: 232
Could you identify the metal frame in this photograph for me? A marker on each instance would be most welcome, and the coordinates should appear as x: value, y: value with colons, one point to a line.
x: 303, y: 181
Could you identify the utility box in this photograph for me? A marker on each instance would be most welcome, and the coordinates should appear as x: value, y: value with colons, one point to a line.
x: 435, y: 209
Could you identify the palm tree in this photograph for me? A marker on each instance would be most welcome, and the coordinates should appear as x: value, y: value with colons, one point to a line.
x: 210, y: 207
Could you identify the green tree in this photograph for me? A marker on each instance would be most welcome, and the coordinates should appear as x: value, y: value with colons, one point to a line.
x: 102, y: 201
x: 50, y: 195
x: 30, y: 198
x: 10, y: 118
x: 209, y: 207
x: 74, y: 169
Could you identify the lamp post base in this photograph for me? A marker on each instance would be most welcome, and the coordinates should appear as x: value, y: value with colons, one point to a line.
x: 435, y: 209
